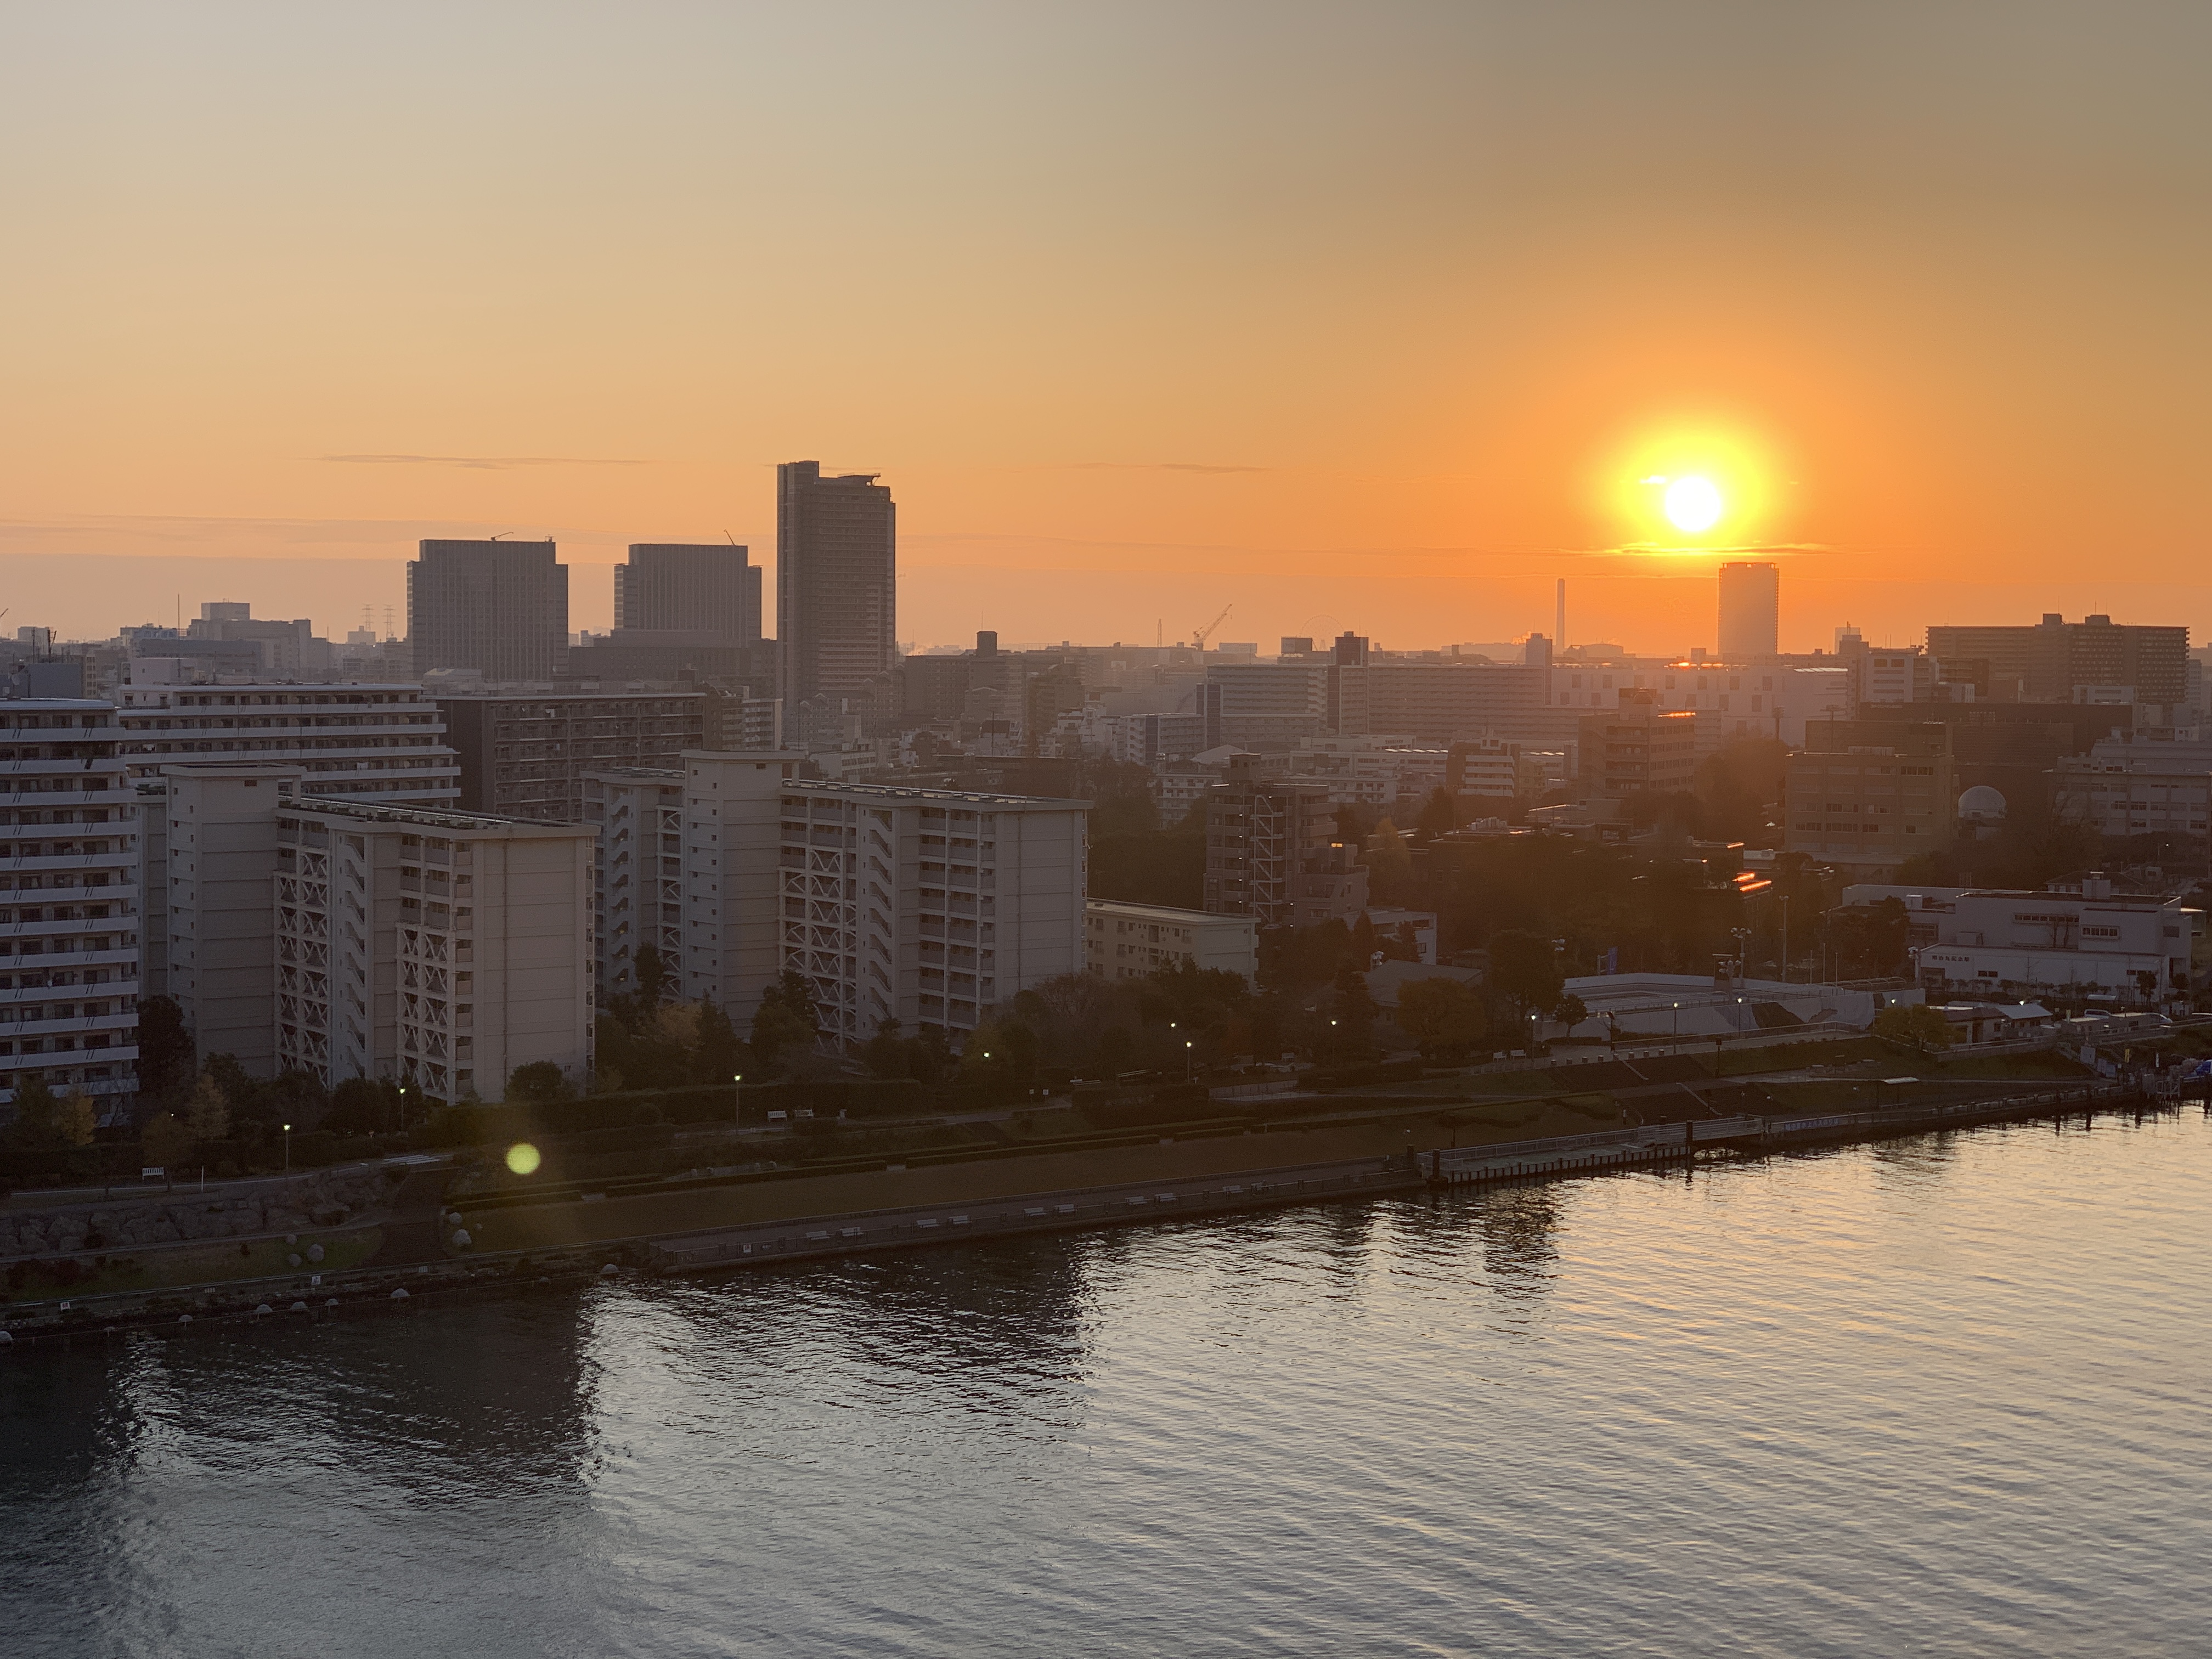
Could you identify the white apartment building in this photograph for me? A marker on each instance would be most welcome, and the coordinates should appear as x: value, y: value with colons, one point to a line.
x: 1129, y: 941
x: 639, y: 881
x: 2094, y: 943
x: 210, y: 844
x: 925, y: 906
x: 69, y: 903
x: 442, y: 949
x: 386, y: 743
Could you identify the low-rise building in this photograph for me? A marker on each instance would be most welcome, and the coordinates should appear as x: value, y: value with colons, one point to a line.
x: 1272, y: 853
x: 2092, y: 945
x: 1125, y: 941
x: 1637, y: 748
x: 1867, y: 796
x: 68, y: 903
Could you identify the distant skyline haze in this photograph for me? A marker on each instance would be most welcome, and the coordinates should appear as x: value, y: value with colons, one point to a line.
x: 1381, y: 318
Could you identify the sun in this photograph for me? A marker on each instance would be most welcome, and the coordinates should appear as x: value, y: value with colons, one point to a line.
x: 1694, y: 504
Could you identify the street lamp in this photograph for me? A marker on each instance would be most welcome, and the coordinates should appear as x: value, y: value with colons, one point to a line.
x: 288, y: 1149
x: 403, y: 1109
x: 1186, y: 1059
x: 738, y: 1105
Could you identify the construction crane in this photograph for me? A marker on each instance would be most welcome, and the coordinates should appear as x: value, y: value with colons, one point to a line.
x: 1199, y: 635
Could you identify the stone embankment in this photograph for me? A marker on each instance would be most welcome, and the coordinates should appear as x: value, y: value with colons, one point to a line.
x: 326, y: 1198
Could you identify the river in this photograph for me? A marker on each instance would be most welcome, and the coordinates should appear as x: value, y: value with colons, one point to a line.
x: 1945, y: 1395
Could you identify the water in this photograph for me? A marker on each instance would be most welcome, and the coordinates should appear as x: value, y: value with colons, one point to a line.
x: 1943, y: 1396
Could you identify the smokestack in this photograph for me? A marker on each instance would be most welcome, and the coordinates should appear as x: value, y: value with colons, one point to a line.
x: 1560, y: 623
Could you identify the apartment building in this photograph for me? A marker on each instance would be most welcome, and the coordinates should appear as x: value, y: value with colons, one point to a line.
x: 385, y: 743
x: 1272, y: 855
x: 2058, y: 661
x: 1130, y: 941
x: 1637, y: 748
x: 638, y: 879
x: 442, y: 949
x: 925, y: 906
x: 525, y: 755
x: 1869, y: 795
x: 69, y: 903
x: 2136, y: 788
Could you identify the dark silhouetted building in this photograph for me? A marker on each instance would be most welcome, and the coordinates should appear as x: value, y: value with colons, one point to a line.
x: 500, y: 608
x: 1751, y: 611
x: 687, y: 588
x: 837, y: 571
x: 2059, y: 661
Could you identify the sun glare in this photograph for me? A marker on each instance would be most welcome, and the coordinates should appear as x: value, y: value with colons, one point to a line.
x: 1694, y: 504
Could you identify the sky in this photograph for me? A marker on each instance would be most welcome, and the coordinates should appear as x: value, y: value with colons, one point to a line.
x: 1372, y: 317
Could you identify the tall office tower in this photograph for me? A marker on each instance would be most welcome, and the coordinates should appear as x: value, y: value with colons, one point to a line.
x: 687, y: 588
x: 500, y: 608
x: 837, y: 586
x: 1751, y: 611
x: 69, y: 890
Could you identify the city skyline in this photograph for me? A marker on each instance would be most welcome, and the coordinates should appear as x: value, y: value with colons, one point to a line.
x: 1885, y: 285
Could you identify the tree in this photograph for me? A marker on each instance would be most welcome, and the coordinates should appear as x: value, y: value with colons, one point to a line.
x: 1524, y: 970
x: 362, y: 1106
x: 1570, y: 1011
x: 1439, y: 815
x: 778, y: 1027
x: 716, y: 1053
x: 207, y: 1114
x: 886, y: 1052
x: 165, y: 1047
x: 1922, y: 1027
x: 165, y: 1141
x: 1390, y: 867
x: 536, y: 1084
x: 77, y: 1120
x: 652, y: 976
x: 1444, y: 1017
x: 35, y: 1111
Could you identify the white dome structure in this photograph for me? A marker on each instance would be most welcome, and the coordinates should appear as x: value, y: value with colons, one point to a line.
x: 1981, y: 804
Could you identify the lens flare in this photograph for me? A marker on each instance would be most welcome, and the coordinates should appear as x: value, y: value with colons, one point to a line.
x: 523, y: 1159
x: 1694, y: 504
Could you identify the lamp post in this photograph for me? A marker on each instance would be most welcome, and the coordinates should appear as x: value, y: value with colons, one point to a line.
x: 737, y: 1103
x: 288, y: 1149
x: 1186, y: 1059
x: 403, y: 1109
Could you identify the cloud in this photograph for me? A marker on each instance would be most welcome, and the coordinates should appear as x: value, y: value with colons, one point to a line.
x: 1158, y: 466
x: 492, y: 463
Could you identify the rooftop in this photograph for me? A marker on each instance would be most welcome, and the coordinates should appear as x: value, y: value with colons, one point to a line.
x: 906, y: 792
x: 429, y: 817
x: 1166, y: 915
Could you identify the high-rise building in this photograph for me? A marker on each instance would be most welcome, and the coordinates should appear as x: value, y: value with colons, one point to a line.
x: 440, y: 949
x: 925, y: 906
x: 1868, y: 794
x: 687, y: 587
x: 500, y: 608
x: 837, y: 599
x: 380, y: 742
x: 1751, y: 611
x: 69, y: 909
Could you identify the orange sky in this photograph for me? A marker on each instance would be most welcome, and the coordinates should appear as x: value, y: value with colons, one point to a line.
x: 1349, y: 317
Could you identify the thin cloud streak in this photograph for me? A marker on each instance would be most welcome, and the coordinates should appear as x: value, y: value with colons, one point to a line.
x: 487, y: 462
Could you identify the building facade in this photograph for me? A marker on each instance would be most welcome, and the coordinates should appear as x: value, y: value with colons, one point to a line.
x: 1867, y: 796
x: 924, y: 906
x: 1637, y: 748
x: 68, y: 903
x: 1130, y: 941
x: 1272, y: 853
x: 638, y: 879
x: 496, y: 607
x: 439, y: 949
x: 836, y: 583
x: 526, y: 757
x: 703, y: 587
x: 380, y: 742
